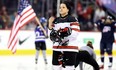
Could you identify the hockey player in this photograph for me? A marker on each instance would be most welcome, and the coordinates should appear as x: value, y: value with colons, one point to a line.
x: 87, y: 55
x: 107, y: 28
x: 64, y: 36
x: 40, y: 40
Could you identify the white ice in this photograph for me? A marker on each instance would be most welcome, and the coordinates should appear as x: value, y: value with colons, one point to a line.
x: 27, y: 62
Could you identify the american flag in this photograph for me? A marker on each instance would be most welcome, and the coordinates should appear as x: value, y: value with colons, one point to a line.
x: 25, y: 15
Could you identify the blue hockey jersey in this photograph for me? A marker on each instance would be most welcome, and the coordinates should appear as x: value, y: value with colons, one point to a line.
x: 39, y: 35
x: 107, y: 31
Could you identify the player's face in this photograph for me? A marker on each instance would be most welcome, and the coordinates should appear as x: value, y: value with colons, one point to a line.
x: 63, y: 9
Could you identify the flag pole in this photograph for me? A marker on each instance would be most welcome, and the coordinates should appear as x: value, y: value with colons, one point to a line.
x: 58, y: 4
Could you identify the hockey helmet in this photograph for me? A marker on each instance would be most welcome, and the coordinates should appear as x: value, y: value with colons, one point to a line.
x: 43, y: 20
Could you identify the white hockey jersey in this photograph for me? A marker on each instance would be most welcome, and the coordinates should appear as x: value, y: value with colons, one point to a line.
x: 71, y: 22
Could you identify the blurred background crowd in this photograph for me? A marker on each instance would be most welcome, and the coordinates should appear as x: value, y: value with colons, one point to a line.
x: 87, y: 11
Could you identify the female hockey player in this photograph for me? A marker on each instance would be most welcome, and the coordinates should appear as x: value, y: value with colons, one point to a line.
x: 64, y: 36
x: 107, y: 28
x: 86, y: 54
x: 40, y: 43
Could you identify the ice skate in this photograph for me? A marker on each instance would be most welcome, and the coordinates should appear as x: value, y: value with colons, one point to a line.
x: 110, y: 66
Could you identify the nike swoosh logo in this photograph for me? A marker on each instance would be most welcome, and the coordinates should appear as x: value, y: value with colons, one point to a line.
x: 22, y: 41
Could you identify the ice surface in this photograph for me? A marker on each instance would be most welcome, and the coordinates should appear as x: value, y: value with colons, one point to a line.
x: 28, y: 63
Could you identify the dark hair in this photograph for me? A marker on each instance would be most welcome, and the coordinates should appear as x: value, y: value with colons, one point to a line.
x: 68, y: 6
x: 89, y: 43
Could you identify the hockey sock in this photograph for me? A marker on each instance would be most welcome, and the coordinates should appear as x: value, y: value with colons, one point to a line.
x: 110, y: 58
x: 44, y: 56
x: 102, y: 59
x: 37, y: 54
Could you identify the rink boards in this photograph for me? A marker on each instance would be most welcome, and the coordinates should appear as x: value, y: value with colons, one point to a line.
x: 26, y: 44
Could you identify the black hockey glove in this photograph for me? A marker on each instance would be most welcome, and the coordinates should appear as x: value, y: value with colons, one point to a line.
x: 65, y: 32
x: 54, y: 36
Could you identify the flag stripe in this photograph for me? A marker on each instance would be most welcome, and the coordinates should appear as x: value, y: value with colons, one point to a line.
x: 13, y: 33
x: 14, y: 44
x: 14, y: 49
x: 15, y: 23
x: 27, y: 21
x: 13, y: 37
x: 25, y: 10
x: 28, y: 15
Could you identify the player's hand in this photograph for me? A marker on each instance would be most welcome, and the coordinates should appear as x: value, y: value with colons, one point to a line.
x: 46, y: 36
x: 65, y: 32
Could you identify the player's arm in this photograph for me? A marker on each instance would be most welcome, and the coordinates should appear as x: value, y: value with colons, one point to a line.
x: 99, y: 24
x: 75, y: 27
x: 38, y: 22
x: 50, y: 22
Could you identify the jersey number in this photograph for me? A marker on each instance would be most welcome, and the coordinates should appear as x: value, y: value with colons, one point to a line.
x: 106, y: 29
x: 38, y: 34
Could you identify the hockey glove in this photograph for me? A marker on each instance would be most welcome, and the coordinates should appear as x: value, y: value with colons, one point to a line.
x: 54, y: 36
x: 65, y: 32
